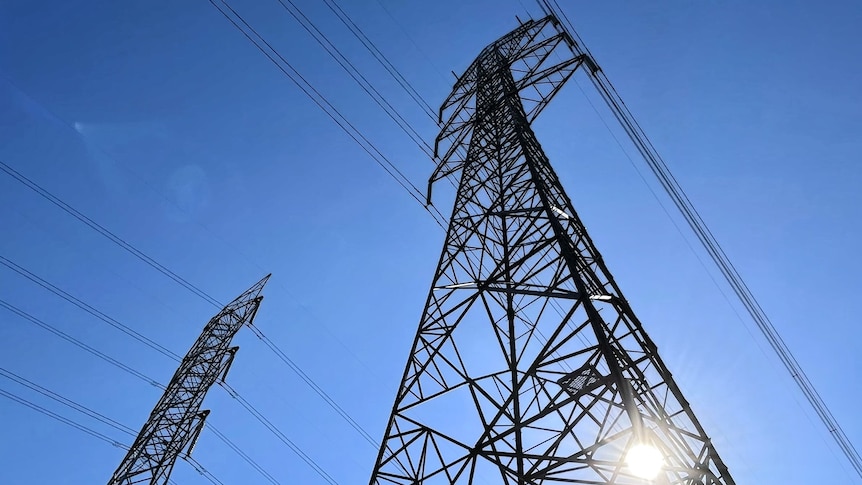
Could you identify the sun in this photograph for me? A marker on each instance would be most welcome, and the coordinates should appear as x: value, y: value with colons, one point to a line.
x: 644, y: 461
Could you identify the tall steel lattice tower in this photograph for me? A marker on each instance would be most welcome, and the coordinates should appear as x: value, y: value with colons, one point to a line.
x: 529, y: 366
x: 177, y: 420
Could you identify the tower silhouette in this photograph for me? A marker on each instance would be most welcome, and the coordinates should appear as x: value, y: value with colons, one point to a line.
x: 177, y: 420
x: 529, y: 366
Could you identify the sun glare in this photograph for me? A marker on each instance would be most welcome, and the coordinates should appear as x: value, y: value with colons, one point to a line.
x: 644, y: 461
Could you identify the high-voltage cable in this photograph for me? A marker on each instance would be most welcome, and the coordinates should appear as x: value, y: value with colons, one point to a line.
x: 393, y: 71
x: 309, y: 381
x: 279, y: 434
x: 316, y: 388
x: 64, y: 400
x: 318, y: 99
x: 381, y: 58
x: 47, y: 195
x: 139, y: 375
x: 355, y: 74
x: 65, y: 336
x: 88, y: 412
x: 146, y: 341
x: 62, y: 419
x: 239, y: 451
x: 682, y: 202
x: 89, y: 309
x: 101, y: 355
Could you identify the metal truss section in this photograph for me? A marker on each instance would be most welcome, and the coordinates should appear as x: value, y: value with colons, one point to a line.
x: 541, y: 60
x: 177, y: 420
x: 529, y: 366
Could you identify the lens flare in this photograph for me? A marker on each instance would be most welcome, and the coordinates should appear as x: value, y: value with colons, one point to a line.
x: 644, y: 461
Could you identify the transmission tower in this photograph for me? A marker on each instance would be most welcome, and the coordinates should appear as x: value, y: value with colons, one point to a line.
x: 529, y: 366
x: 177, y: 420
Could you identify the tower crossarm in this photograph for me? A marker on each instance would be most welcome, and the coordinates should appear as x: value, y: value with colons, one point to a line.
x: 177, y: 419
x: 541, y: 58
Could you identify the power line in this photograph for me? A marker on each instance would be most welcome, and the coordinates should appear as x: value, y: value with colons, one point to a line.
x: 399, y: 78
x: 47, y: 195
x: 65, y: 401
x: 681, y: 200
x: 152, y: 344
x: 124, y: 328
x: 318, y: 99
x: 324, y: 104
x: 203, y: 471
x: 162, y: 269
x: 242, y: 454
x: 366, y: 85
x: 355, y: 74
x: 381, y: 57
x: 327, y: 107
x: 69, y: 422
x: 393, y: 71
x: 140, y: 255
x: 65, y: 336
x: 81, y: 409
x: 313, y: 385
x: 114, y: 362
x: 64, y: 420
x: 88, y: 308
x: 277, y: 432
x: 369, y: 88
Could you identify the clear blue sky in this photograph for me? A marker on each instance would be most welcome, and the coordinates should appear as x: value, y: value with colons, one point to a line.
x: 161, y: 122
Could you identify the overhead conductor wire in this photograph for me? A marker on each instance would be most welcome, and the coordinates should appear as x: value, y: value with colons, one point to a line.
x: 83, y: 410
x: 681, y: 200
x: 312, y: 93
x: 173, y: 276
x: 381, y: 57
x: 105, y: 232
x: 173, y: 356
x: 125, y: 245
x: 167, y: 272
x: 116, y: 363
x: 245, y: 403
x: 355, y: 74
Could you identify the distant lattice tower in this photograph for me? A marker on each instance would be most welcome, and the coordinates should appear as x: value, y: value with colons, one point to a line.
x: 177, y: 420
x: 529, y: 366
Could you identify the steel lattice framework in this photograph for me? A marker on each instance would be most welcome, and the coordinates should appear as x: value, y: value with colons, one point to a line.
x: 177, y: 420
x: 529, y: 366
